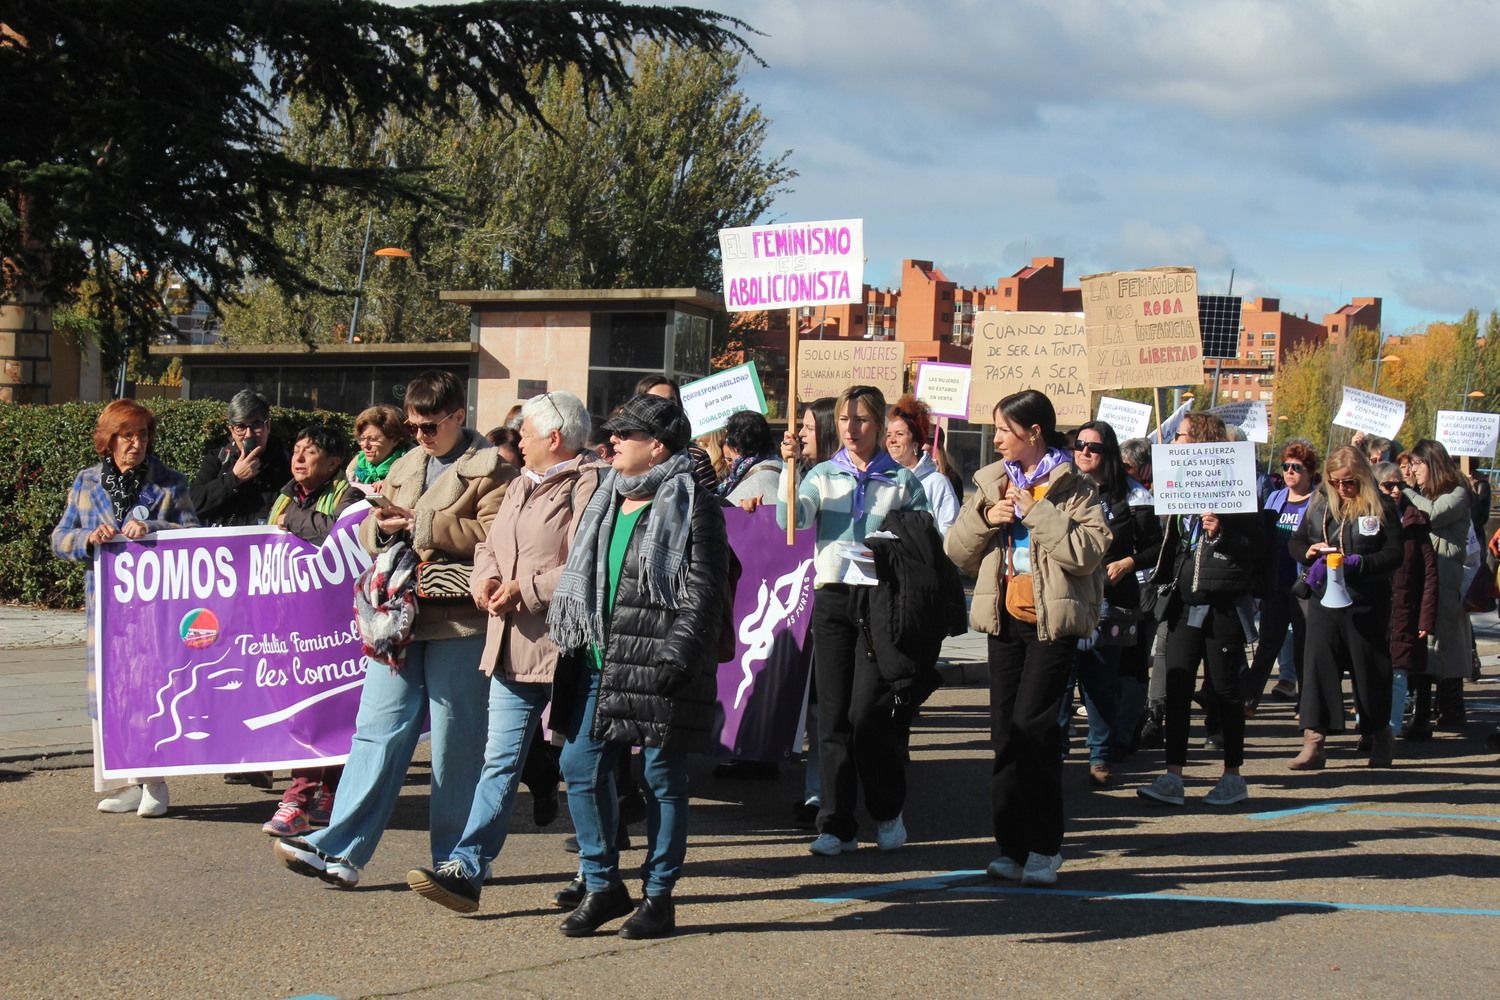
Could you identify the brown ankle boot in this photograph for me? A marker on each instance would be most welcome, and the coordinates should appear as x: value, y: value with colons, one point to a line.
x: 1311, y: 758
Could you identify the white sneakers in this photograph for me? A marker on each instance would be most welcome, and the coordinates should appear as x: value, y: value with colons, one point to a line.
x: 298, y: 858
x: 1040, y: 869
x: 890, y: 834
x: 1006, y: 868
x: 147, y: 800
x: 829, y: 845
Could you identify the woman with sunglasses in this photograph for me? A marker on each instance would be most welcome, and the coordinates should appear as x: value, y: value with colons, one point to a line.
x: 1135, y: 536
x: 1351, y: 530
x: 443, y: 495
x: 1438, y: 489
x: 1279, y: 609
x: 1207, y: 565
x: 1034, y: 538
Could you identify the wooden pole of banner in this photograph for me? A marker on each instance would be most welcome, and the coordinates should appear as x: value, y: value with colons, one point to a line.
x: 791, y: 426
x: 1156, y: 407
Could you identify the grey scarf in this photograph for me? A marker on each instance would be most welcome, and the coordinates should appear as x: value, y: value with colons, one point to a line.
x: 576, y: 615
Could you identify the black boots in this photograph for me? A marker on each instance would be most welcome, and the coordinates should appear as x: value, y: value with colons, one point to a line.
x: 570, y: 895
x: 654, y: 918
x: 597, y: 909
x: 1153, y: 732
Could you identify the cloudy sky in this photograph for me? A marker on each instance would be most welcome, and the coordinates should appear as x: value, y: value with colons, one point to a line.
x: 1321, y: 150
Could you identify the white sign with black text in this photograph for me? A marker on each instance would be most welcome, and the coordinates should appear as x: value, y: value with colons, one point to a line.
x: 1249, y: 417
x: 1471, y: 434
x: 1371, y: 413
x: 1213, y: 477
x: 1129, y: 420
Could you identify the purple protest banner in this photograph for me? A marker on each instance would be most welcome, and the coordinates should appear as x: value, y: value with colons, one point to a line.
x: 761, y: 689
x: 228, y: 649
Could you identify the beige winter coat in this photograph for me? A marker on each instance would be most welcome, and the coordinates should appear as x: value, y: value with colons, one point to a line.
x: 528, y: 542
x: 1069, y: 538
x: 451, y: 519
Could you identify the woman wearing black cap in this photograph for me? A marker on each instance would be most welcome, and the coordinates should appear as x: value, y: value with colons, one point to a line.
x: 637, y: 615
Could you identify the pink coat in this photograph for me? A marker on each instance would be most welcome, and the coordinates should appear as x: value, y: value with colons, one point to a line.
x: 528, y: 542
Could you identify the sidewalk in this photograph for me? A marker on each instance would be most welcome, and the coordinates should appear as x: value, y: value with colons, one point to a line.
x: 42, y: 712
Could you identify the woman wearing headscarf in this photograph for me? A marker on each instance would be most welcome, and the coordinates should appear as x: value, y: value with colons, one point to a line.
x: 846, y: 498
x: 637, y: 614
x: 128, y: 494
x: 1034, y: 537
x: 1348, y: 532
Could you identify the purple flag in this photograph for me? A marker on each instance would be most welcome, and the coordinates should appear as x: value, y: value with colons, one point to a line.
x: 228, y: 649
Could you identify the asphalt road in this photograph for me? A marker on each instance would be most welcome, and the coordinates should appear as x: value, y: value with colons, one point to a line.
x: 1393, y: 893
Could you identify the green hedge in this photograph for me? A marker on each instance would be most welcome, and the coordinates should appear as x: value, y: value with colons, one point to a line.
x: 43, y: 447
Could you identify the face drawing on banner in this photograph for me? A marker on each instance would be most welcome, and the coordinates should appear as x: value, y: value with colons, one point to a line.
x: 190, y: 688
x: 783, y: 600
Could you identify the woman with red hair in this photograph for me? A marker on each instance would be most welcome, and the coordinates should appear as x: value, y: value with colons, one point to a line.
x: 127, y: 495
x: 907, y: 431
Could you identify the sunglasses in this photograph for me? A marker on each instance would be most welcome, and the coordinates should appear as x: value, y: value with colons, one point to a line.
x: 1293, y: 467
x: 428, y: 428
x: 1394, y: 486
x: 1092, y: 447
x: 1344, y: 484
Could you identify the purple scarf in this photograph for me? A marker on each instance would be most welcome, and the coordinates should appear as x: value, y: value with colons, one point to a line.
x: 882, y: 467
x: 1050, y: 461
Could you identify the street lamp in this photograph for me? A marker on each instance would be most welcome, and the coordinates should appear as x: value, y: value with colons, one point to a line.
x: 359, y: 284
x: 1375, y: 383
x: 1476, y: 394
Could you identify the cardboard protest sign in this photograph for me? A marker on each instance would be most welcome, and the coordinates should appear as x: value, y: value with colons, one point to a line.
x: 1143, y: 328
x: 711, y: 401
x: 1464, y: 433
x: 944, y: 388
x: 1365, y: 411
x: 828, y: 367
x: 1029, y: 350
x: 1128, y: 419
x: 1197, y: 478
x: 793, y: 264
x: 1250, y: 417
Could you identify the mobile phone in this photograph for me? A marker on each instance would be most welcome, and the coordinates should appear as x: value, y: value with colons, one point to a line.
x: 378, y: 500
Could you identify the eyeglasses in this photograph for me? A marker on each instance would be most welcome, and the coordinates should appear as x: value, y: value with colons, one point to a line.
x: 429, y: 428
x: 1293, y: 467
x: 1394, y: 486
x: 1092, y: 447
x: 369, y: 441
x: 133, y: 437
x: 249, y: 426
x: 1344, y: 484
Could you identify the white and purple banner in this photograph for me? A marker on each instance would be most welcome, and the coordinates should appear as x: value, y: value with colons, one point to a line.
x: 235, y: 649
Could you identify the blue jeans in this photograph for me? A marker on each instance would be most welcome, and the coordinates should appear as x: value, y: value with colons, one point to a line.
x: 441, y: 678
x: 1098, y: 673
x: 515, y: 712
x: 588, y: 767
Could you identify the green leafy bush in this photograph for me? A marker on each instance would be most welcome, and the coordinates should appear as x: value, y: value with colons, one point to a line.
x: 44, y: 447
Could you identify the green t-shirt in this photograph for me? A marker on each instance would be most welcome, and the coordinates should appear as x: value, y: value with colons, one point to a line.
x: 619, y: 541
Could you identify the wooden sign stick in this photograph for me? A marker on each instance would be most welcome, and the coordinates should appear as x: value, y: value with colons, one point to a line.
x: 791, y: 426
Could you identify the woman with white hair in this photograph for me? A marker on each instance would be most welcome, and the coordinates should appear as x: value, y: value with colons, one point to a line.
x: 516, y: 570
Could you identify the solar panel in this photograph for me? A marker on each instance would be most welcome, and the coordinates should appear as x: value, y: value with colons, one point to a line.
x: 1219, y: 319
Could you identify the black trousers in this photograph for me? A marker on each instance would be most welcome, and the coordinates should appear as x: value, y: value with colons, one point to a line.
x: 1219, y: 644
x: 1277, y: 612
x: 1353, y: 639
x: 1027, y: 681
x: 858, y: 736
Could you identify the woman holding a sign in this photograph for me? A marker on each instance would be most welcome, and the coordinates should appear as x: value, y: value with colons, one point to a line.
x: 846, y: 498
x: 1034, y: 537
x: 127, y: 495
x: 1350, y: 542
x: 1204, y: 577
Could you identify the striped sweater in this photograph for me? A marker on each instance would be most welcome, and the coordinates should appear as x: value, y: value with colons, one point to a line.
x: 825, y: 497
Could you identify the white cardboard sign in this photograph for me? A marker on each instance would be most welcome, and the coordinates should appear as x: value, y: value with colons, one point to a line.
x: 1216, y: 478
x: 793, y: 264
x: 712, y: 400
x: 944, y: 388
x: 1368, y: 412
x: 1129, y: 420
x: 1472, y: 434
x: 1250, y: 417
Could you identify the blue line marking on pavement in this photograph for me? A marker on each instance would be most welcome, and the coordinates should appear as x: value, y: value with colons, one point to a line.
x: 886, y: 888
x: 1166, y: 897
x: 1282, y: 813
x: 1417, y: 815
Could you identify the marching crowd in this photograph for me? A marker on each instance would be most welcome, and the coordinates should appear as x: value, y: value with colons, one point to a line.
x: 584, y: 565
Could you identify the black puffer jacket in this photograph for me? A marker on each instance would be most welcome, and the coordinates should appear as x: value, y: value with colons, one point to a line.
x: 1226, y: 566
x: 642, y: 636
x: 219, y: 497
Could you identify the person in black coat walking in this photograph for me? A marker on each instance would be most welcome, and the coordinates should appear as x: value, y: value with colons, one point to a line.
x: 237, y: 484
x: 638, y: 614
